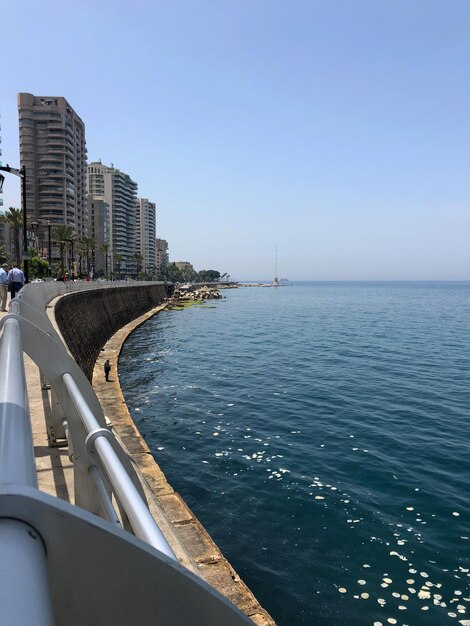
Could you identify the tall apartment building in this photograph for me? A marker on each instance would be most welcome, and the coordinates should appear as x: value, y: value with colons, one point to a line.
x: 98, y: 229
x: 119, y: 192
x: 146, y: 225
x: 162, y: 257
x: 53, y: 151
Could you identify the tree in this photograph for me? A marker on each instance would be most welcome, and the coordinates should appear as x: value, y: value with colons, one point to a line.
x: 61, y: 234
x: 151, y: 273
x: 208, y: 276
x: 104, y: 249
x: 173, y: 274
x: 85, y: 248
x: 14, y: 218
x: 38, y: 268
x: 117, y: 261
x: 80, y: 249
x: 4, y: 256
x: 89, y: 245
x: 138, y: 258
x: 33, y: 252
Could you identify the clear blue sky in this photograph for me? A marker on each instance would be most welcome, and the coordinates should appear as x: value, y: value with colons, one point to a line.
x: 337, y: 129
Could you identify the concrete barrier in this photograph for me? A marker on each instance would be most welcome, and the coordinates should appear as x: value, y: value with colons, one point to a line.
x: 87, y: 319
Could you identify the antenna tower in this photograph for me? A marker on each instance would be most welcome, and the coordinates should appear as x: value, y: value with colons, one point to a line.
x: 276, y: 279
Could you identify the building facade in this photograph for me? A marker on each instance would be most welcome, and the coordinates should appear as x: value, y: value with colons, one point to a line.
x: 146, y: 225
x: 53, y: 152
x: 98, y: 230
x: 119, y: 192
x: 184, y: 265
x: 162, y: 257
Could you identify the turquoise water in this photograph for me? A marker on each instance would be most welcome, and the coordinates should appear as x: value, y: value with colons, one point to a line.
x: 321, y: 434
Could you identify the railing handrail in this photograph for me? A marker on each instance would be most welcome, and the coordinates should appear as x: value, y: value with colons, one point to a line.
x: 98, y: 438
x: 104, y: 451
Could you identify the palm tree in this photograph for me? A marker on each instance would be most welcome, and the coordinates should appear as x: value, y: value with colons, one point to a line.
x: 89, y: 245
x: 138, y: 258
x: 61, y: 234
x: 93, y: 244
x: 104, y: 248
x: 84, y: 246
x: 14, y: 218
x: 81, y: 249
x: 117, y: 260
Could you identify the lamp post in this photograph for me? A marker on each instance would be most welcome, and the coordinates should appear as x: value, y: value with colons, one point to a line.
x: 49, y: 253
x: 34, y: 228
x: 22, y: 174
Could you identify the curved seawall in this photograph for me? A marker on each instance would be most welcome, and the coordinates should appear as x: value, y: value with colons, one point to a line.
x: 95, y: 324
x: 88, y: 319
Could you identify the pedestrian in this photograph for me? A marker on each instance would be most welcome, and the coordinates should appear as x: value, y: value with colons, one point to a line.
x: 16, y: 279
x: 107, y: 369
x: 4, y: 286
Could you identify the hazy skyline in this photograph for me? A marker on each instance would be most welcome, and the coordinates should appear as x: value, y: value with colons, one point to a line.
x: 338, y: 130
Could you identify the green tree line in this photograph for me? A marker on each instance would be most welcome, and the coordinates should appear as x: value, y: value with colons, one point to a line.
x: 174, y: 275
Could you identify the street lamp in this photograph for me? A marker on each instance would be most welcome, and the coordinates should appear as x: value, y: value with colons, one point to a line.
x: 22, y: 174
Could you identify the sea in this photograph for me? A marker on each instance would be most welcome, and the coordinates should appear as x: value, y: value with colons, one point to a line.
x: 321, y: 433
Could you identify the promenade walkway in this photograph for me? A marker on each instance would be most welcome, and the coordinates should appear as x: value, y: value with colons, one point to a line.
x: 54, y: 469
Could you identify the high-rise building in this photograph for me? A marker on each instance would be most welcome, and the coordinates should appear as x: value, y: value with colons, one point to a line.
x: 119, y: 192
x: 146, y: 224
x: 53, y: 152
x: 161, y: 257
x: 98, y: 229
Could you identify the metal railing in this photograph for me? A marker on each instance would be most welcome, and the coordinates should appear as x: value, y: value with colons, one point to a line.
x: 34, y: 526
x: 103, y: 471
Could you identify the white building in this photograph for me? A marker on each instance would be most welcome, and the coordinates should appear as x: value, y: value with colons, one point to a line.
x: 119, y: 192
x: 146, y: 225
x: 161, y: 257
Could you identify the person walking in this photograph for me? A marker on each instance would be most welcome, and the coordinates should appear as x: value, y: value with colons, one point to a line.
x: 107, y: 369
x: 4, y: 286
x: 16, y: 279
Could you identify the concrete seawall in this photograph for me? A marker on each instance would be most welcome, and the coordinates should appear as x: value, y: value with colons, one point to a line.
x: 103, y: 319
x: 88, y: 319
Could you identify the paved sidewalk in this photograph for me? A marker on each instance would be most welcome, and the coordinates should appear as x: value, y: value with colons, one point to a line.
x: 54, y: 470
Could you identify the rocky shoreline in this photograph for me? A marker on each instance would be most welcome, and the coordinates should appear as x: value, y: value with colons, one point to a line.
x: 192, y: 293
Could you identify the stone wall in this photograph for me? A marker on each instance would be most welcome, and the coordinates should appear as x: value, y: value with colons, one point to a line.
x: 87, y: 319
